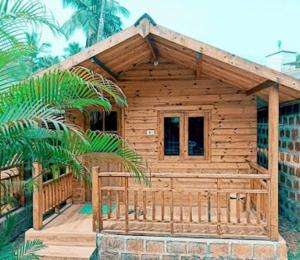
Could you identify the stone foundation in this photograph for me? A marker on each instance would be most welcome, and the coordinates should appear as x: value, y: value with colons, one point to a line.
x: 113, y: 247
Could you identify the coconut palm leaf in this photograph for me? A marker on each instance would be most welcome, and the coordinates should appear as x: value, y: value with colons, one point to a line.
x: 27, y: 250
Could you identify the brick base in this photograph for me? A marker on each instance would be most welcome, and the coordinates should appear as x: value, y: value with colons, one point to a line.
x: 113, y: 247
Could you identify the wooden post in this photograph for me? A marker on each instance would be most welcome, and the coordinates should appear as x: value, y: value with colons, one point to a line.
x: 96, y: 200
x: 20, y: 189
x: 273, y: 158
x: 37, y: 199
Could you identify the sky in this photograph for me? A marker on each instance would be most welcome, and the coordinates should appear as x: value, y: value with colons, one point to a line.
x: 248, y: 28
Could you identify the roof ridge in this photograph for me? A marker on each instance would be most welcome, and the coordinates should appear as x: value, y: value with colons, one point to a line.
x: 145, y: 16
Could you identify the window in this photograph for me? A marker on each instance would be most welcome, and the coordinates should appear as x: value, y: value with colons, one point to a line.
x: 184, y: 135
x: 104, y: 121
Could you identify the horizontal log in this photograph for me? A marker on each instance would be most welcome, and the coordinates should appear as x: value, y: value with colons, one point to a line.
x: 195, y: 176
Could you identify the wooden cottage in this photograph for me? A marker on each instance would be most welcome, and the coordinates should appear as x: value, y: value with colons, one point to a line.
x: 192, y: 114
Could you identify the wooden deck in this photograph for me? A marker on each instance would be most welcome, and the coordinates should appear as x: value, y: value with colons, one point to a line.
x: 67, y: 236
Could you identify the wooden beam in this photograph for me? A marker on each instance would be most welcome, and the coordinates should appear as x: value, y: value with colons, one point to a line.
x: 103, y: 67
x: 261, y: 86
x: 273, y: 159
x: 152, y: 48
x: 199, y: 64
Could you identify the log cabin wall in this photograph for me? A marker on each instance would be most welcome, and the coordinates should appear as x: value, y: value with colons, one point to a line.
x: 168, y: 86
x: 78, y: 187
x: 171, y: 87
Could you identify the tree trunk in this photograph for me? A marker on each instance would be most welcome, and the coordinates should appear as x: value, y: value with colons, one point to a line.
x: 100, y: 31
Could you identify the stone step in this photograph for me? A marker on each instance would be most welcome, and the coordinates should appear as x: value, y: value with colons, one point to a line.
x: 62, y: 238
x: 53, y: 252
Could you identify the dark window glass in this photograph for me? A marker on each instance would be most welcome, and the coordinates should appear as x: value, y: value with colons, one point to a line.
x: 171, y: 135
x: 104, y: 121
x: 196, y: 136
x: 111, y: 121
x: 96, y: 121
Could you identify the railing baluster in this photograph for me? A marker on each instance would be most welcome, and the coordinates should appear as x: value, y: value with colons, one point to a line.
x: 117, y: 204
x: 238, y: 208
x: 228, y: 207
x: 162, y: 205
x: 181, y: 206
x: 126, y: 205
x: 108, y: 204
x: 248, y: 207
x: 258, y: 208
x: 135, y: 204
x: 144, y: 205
x: 171, y: 207
x: 199, y: 207
x: 218, y: 202
x: 153, y: 206
x: 208, y: 207
x: 190, y: 208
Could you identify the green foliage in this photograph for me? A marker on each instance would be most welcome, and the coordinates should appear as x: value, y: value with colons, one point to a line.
x: 32, y: 126
x: 16, y: 250
x: 72, y: 49
x: 87, y: 15
x: 16, y: 18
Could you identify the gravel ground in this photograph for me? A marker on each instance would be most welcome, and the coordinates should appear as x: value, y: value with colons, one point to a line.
x: 291, y: 234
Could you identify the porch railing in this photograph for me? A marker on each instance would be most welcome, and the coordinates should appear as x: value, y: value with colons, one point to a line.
x: 49, y: 195
x: 220, y: 205
x: 11, y: 193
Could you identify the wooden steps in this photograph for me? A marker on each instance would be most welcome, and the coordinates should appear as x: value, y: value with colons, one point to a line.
x: 52, y: 252
x: 68, y: 236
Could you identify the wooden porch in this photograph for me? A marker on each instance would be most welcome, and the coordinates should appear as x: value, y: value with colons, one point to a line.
x: 191, y: 205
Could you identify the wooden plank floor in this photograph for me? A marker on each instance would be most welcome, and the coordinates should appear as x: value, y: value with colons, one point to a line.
x: 71, y: 220
x: 69, y: 228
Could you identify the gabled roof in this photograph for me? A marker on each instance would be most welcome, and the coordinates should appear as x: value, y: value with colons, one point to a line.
x: 147, y: 41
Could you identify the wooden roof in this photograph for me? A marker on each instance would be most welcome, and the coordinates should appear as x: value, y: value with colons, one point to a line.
x: 147, y: 41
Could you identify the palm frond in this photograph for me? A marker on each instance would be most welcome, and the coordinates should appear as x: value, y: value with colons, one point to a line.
x: 32, y: 12
x: 27, y: 250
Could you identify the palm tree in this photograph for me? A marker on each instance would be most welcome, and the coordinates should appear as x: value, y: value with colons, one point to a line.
x: 98, y: 19
x: 38, y: 59
x: 72, y: 49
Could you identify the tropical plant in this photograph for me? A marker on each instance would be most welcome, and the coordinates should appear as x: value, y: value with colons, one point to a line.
x: 91, y: 15
x: 16, y: 250
x: 72, y: 49
x: 33, y: 128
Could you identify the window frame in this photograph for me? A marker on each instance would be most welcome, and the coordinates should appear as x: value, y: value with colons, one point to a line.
x: 184, y: 135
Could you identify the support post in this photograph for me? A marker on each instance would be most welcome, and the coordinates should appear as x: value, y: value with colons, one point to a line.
x: 273, y: 158
x: 96, y: 200
x: 37, y: 199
